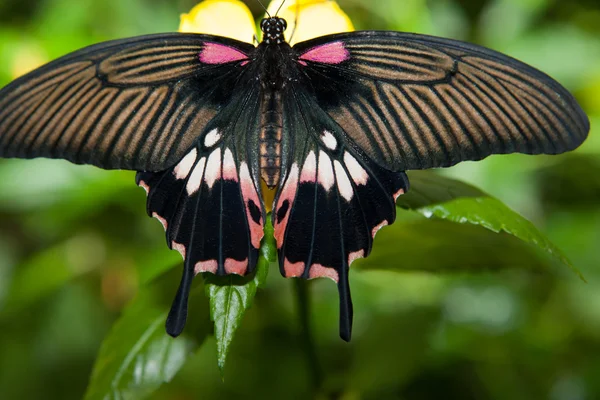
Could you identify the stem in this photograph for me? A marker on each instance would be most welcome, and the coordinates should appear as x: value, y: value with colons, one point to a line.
x: 303, y: 300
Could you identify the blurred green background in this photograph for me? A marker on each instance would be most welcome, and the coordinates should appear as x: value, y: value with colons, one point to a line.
x: 76, y: 244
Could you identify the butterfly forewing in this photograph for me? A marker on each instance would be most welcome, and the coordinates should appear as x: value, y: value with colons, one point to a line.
x: 414, y: 101
x: 131, y: 104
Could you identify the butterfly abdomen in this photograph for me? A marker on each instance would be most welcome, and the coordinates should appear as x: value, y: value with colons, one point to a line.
x: 271, y: 125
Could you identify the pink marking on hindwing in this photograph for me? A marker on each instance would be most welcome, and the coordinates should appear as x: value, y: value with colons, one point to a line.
x: 355, y: 256
x: 249, y: 193
x: 288, y: 193
x: 320, y: 271
x: 206, y: 266
x: 236, y: 267
x: 144, y: 186
x: 214, y: 53
x: 179, y: 247
x: 161, y: 219
x: 378, y: 227
x: 329, y: 53
x: 398, y: 194
x: 293, y: 270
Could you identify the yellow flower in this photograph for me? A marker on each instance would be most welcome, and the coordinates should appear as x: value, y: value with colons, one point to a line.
x: 231, y: 18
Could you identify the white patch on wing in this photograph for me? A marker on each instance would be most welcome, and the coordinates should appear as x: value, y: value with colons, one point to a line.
x: 326, y: 177
x: 358, y: 174
x: 212, y: 138
x: 309, y: 169
x: 343, y: 183
x: 329, y: 140
x: 182, y: 170
x: 195, y: 179
x: 229, y: 171
x: 213, y: 168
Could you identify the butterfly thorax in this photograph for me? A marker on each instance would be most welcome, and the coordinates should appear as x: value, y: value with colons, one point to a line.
x: 272, y: 82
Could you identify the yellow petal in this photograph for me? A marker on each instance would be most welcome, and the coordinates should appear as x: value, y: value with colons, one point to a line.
x: 230, y: 18
x: 315, y: 18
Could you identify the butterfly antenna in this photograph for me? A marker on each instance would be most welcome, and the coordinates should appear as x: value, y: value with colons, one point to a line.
x: 265, y: 8
x: 281, y: 5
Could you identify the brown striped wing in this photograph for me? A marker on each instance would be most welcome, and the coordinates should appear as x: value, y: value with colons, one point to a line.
x: 413, y: 101
x: 136, y: 104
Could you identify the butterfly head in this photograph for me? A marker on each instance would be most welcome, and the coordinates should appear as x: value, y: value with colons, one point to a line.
x: 273, y: 28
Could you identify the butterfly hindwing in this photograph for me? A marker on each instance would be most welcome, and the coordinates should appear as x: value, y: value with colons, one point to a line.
x: 330, y: 205
x: 137, y: 103
x: 415, y: 101
x: 209, y: 203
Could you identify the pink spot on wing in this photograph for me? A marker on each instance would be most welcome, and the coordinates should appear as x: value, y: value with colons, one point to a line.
x: 206, y: 266
x: 161, y: 219
x: 179, y: 247
x: 320, y: 271
x: 330, y: 53
x: 288, y: 193
x: 398, y: 193
x: 293, y: 270
x: 236, y: 267
x: 249, y: 193
x: 144, y: 186
x: 378, y: 227
x: 214, y: 53
x: 355, y: 256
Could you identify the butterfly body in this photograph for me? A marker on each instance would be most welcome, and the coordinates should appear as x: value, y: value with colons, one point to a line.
x: 329, y: 124
x: 274, y: 76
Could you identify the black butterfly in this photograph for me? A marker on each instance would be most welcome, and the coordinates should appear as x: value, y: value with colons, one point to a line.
x: 214, y: 124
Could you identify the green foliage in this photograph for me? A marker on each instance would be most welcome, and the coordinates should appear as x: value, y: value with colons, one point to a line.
x: 460, y: 297
x: 137, y: 355
x: 231, y: 296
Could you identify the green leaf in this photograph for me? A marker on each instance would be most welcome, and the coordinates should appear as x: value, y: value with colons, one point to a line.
x: 435, y: 196
x: 137, y: 356
x: 49, y: 270
x: 230, y: 296
x: 442, y: 246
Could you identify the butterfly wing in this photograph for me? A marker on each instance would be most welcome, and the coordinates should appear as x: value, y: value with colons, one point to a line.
x: 209, y: 203
x: 374, y: 104
x: 331, y: 202
x: 137, y: 103
x: 414, y: 101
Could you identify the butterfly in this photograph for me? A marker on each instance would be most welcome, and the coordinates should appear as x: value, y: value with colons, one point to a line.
x: 214, y: 126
